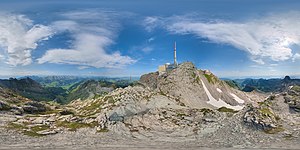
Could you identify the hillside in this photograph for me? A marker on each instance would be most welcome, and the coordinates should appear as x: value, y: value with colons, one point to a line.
x: 90, y: 89
x: 33, y: 90
x: 65, y: 88
x: 12, y: 103
x: 57, y: 81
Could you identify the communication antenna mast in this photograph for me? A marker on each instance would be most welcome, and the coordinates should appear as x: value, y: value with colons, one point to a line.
x: 175, y: 59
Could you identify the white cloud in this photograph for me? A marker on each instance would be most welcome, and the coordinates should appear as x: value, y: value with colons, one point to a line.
x: 258, y: 61
x: 1, y: 57
x: 267, y: 38
x: 296, y: 57
x: 19, y: 37
x: 150, y: 23
x: 151, y: 39
x: 143, y: 48
x: 88, y: 51
x: 93, y: 32
x: 147, y: 49
x: 83, y: 67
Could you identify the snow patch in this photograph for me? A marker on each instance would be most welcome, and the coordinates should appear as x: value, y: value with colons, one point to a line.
x: 237, y: 98
x: 219, y: 103
x: 219, y: 90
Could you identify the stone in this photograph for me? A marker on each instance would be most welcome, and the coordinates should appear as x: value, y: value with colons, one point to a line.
x: 89, y: 120
x: 47, y: 132
x: 30, y: 109
x: 17, y: 110
x: 209, y: 119
x: 66, y: 112
x: 102, y: 121
x: 4, y: 106
x: 39, y: 120
x: 116, y: 117
x: 52, y: 119
x: 65, y: 118
x: 260, y: 118
x: 39, y: 106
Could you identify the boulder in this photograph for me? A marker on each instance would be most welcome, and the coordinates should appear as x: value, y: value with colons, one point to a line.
x: 17, y: 110
x: 262, y: 118
x: 116, y: 117
x: 292, y: 98
x: 47, y: 132
x: 34, y: 107
x: 39, y: 120
x: 4, y: 106
x: 30, y: 109
x: 150, y: 79
x: 102, y: 121
x: 66, y: 112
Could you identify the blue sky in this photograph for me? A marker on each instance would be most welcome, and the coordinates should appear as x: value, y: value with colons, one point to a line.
x: 232, y: 38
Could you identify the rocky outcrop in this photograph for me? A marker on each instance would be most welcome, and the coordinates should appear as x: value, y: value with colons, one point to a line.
x: 292, y: 98
x: 16, y: 104
x: 267, y: 115
x: 4, y: 106
x: 34, y: 107
x: 261, y: 118
x: 150, y: 80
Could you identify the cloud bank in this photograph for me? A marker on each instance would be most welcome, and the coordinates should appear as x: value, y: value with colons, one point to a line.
x: 93, y: 32
x: 296, y: 57
x: 19, y: 37
x: 264, y: 39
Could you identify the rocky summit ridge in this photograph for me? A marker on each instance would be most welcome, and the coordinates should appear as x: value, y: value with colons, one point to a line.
x: 185, y: 104
x: 195, y: 88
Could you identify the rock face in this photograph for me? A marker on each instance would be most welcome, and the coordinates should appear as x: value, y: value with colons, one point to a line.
x: 274, y: 115
x: 16, y: 104
x: 4, y: 106
x: 150, y: 79
x: 292, y: 98
x: 261, y: 118
x: 34, y: 107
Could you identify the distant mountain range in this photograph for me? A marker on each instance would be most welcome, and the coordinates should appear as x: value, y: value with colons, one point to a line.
x: 64, y: 89
x: 67, y: 82
x: 264, y: 85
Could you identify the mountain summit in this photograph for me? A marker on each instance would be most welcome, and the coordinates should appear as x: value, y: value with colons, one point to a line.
x: 195, y: 88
